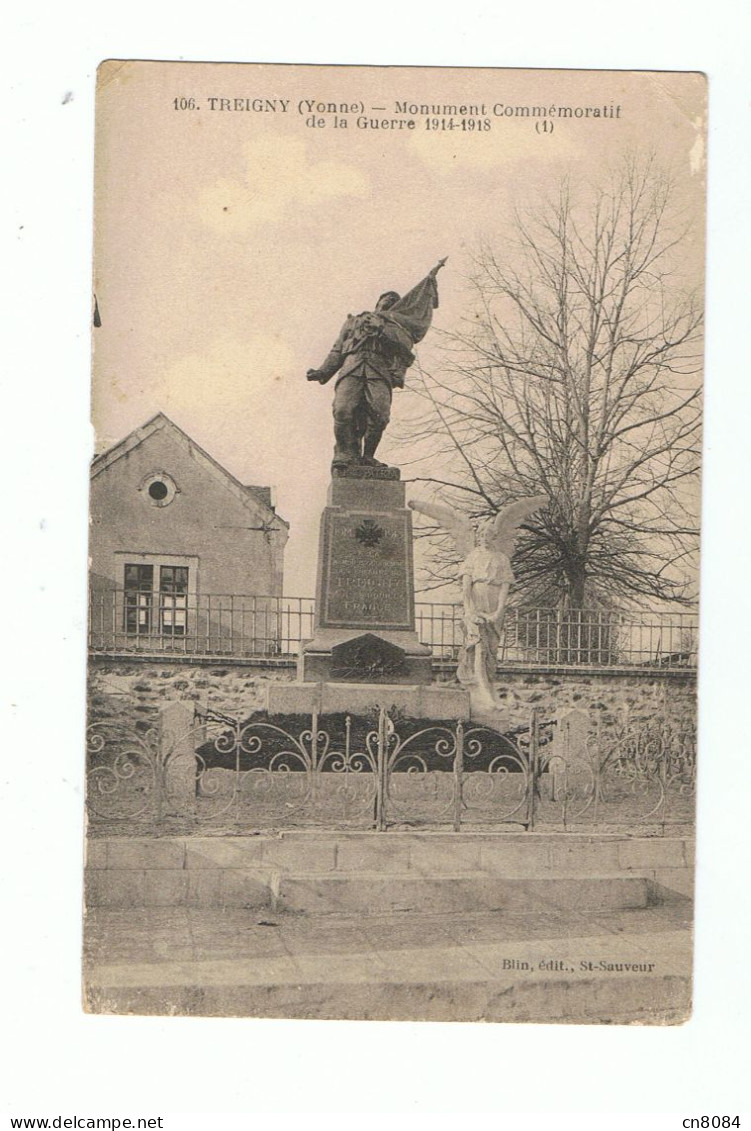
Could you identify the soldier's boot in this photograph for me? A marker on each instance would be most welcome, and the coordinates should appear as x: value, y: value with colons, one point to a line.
x: 347, y: 448
x: 370, y: 445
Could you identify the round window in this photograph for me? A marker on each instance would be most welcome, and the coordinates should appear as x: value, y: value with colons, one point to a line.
x: 159, y: 488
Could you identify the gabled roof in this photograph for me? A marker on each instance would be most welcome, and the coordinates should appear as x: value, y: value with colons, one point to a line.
x: 257, y: 498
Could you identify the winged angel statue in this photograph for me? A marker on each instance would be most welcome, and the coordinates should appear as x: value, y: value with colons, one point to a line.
x: 486, y: 579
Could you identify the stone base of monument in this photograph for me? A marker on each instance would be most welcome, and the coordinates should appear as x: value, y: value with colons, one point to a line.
x: 365, y: 600
x: 351, y: 655
x: 418, y: 701
x: 497, y: 719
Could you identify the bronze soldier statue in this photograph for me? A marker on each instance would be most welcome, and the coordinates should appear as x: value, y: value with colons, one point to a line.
x: 370, y: 358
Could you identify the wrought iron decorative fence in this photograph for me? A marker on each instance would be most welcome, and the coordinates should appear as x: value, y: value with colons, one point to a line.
x: 273, y: 627
x: 381, y: 772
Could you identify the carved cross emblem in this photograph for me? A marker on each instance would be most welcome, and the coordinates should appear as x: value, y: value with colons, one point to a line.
x: 369, y: 533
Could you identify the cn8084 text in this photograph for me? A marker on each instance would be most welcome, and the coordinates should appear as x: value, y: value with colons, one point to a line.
x: 712, y: 1121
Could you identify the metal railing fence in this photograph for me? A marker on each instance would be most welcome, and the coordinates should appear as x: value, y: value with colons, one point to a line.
x: 380, y: 771
x: 258, y: 626
x: 229, y: 625
x: 587, y: 637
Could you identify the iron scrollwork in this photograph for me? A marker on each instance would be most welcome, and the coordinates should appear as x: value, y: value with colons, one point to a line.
x: 385, y: 770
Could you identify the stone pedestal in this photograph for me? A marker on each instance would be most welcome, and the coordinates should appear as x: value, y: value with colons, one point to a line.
x: 569, y: 749
x: 418, y: 701
x: 364, y: 630
x: 178, y: 757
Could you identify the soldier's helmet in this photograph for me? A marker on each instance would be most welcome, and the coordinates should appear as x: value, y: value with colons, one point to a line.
x: 387, y: 300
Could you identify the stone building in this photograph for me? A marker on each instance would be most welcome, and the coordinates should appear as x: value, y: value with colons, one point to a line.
x: 183, y: 557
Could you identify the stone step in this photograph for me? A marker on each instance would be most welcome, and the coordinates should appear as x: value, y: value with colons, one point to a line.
x: 378, y: 894
x: 371, y: 893
x: 424, y: 853
x: 315, y: 871
x: 553, y: 965
x: 643, y: 1000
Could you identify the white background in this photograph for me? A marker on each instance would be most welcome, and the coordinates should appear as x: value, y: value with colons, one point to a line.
x: 58, y: 1061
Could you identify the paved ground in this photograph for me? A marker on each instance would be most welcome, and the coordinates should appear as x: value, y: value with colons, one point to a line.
x: 621, y: 967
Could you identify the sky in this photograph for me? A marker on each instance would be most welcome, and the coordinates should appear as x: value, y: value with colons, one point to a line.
x: 230, y: 244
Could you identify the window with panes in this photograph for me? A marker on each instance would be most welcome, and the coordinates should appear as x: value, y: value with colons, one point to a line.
x: 139, y: 598
x: 173, y: 600
x: 150, y: 610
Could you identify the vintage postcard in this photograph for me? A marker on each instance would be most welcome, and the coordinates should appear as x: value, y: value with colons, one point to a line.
x: 394, y: 542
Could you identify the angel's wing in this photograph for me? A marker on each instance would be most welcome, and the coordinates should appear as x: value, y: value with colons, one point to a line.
x: 453, y: 521
x: 508, y: 520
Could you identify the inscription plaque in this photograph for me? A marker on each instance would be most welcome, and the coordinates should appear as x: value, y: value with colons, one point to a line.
x: 367, y: 570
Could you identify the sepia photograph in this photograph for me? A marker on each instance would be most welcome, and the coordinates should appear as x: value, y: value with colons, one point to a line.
x: 394, y: 543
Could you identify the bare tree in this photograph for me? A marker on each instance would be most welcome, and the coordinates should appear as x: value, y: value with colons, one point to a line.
x: 575, y: 375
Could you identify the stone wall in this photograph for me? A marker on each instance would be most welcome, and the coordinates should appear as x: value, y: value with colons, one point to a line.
x: 128, y: 689
x: 645, y: 695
